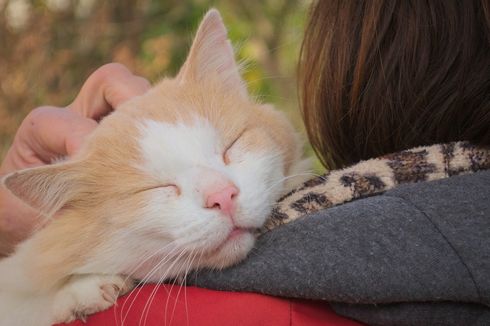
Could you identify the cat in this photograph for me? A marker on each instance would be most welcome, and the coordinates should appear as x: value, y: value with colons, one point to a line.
x: 178, y: 178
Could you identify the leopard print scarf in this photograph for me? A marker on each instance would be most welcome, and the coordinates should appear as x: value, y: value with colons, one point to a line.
x: 378, y: 175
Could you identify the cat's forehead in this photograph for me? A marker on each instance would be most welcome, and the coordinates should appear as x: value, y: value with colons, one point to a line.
x: 189, y: 123
x: 166, y: 147
x: 173, y: 103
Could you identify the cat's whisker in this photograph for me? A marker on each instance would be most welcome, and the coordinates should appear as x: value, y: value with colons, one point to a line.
x: 187, y: 265
x: 161, y: 279
x: 169, y: 292
x: 163, y: 260
x: 198, y: 265
x: 167, y: 302
x: 129, y: 274
x: 143, y: 281
x: 171, y: 287
x: 279, y: 182
x: 279, y: 156
x: 145, y: 311
x: 184, y: 284
x: 175, y: 302
x: 148, y: 257
x: 185, y: 290
x: 147, y: 306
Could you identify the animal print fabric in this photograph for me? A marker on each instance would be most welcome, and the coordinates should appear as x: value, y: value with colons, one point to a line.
x: 378, y: 175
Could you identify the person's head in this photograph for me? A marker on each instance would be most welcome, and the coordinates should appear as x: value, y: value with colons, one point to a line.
x: 381, y: 76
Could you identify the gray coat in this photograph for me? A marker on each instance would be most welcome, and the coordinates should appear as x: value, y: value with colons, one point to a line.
x: 416, y: 255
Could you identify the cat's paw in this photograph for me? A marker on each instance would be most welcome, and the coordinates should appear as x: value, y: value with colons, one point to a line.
x: 87, y: 294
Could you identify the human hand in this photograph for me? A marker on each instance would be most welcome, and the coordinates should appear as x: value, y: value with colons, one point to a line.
x: 48, y: 133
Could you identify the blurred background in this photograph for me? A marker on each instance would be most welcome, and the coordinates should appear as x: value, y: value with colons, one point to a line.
x: 49, y: 47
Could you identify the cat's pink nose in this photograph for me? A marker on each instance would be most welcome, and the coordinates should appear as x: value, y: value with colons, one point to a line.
x: 223, y: 199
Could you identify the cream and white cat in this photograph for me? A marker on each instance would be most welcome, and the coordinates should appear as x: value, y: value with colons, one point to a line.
x: 176, y: 179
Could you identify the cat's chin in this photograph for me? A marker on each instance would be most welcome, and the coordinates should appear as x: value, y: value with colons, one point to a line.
x: 233, y: 250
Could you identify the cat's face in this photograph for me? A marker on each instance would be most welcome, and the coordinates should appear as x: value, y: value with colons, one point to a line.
x: 191, y: 167
x: 194, y: 165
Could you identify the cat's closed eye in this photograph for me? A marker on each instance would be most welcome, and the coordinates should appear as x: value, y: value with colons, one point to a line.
x: 226, y: 156
x: 170, y: 187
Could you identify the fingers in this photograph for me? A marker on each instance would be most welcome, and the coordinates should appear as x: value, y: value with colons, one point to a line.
x: 104, y: 90
x: 49, y: 132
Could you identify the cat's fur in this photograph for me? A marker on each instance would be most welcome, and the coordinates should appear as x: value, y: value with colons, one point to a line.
x: 133, y: 200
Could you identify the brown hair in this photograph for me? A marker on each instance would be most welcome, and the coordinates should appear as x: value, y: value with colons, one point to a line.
x: 386, y: 75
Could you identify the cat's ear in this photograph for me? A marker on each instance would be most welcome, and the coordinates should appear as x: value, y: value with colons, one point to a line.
x: 45, y: 188
x: 212, y: 54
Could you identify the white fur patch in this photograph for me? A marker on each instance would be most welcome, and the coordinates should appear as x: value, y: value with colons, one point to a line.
x: 174, y: 231
x: 190, y: 156
x: 169, y: 149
